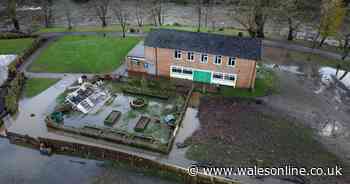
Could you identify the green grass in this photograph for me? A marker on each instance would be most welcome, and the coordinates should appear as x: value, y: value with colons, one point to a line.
x: 112, y: 28
x: 35, y: 86
x: 146, y: 28
x: 265, y: 84
x: 84, y: 54
x: 317, y: 59
x: 14, y: 46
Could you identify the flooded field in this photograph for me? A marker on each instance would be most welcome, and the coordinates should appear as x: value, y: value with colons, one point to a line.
x: 23, y: 165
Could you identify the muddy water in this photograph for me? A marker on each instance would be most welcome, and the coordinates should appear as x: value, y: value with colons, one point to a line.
x: 39, y: 106
x: 23, y: 165
x: 325, y: 74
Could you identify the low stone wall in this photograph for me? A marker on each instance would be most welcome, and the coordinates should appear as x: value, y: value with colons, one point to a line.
x: 93, y: 152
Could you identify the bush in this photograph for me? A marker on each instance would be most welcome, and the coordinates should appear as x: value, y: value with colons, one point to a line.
x: 240, y: 34
x: 221, y: 29
x: 132, y: 30
x: 177, y: 24
x: 14, y: 88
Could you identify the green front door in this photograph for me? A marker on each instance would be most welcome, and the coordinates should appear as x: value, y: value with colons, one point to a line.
x: 201, y: 76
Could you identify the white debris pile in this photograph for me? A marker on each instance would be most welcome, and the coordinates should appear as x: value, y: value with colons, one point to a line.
x: 5, y: 61
x: 88, y: 98
x: 332, y: 129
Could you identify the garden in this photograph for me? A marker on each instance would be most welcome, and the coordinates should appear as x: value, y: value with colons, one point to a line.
x: 144, y: 117
x: 84, y: 54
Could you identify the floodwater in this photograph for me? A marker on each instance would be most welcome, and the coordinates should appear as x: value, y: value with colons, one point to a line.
x: 5, y: 60
x: 24, y: 165
x: 325, y: 73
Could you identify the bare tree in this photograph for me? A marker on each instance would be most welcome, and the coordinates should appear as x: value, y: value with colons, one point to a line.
x: 139, y: 12
x: 47, y: 10
x: 245, y: 16
x: 157, y: 11
x: 101, y: 9
x: 208, y: 9
x: 295, y: 13
x: 122, y: 14
x: 199, y: 6
x: 12, y: 13
x: 68, y: 13
x: 253, y: 15
x: 332, y: 17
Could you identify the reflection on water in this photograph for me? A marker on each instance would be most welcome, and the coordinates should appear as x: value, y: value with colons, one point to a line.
x: 23, y: 165
x: 325, y: 73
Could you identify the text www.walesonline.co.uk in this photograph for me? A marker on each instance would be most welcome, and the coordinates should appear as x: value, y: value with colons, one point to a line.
x: 264, y: 171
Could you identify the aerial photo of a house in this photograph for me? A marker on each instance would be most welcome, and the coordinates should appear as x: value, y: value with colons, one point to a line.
x: 201, y: 57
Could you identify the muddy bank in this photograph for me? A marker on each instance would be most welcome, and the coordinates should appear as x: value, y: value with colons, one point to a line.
x: 236, y: 132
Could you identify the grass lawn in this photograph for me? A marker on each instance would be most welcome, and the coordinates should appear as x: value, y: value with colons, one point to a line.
x: 265, y: 84
x: 14, y: 46
x: 323, y: 61
x: 84, y: 54
x: 146, y: 28
x: 240, y: 133
x: 35, y: 86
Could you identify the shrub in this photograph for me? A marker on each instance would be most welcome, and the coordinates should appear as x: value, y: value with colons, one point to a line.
x: 177, y: 24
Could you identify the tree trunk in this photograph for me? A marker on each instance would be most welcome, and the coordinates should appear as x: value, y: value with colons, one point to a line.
x: 124, y: 30
x: 199, y: 19
x: 291, y: 30
x: 344, y: 75
x: 337, y: 71
x: 322, y: 41
x: 15, y: 24
x: 260, y: 23
x: 104, y: 22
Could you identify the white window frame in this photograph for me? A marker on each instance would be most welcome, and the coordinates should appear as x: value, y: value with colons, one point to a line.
x: 189, y: 58
x: 218, y: 73
x: 188, y: 70
x: 230, y: 59
x: 177, y: 53
x: 216, y: 59
x: 230, y: 75
x: 177, y: 68
x: 204, y: 56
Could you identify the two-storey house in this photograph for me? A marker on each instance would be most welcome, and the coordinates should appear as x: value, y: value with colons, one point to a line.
x: 200, y: 57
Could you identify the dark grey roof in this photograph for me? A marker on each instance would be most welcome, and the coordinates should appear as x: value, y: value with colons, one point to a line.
x: 138, y: 51
x: 242, y: 47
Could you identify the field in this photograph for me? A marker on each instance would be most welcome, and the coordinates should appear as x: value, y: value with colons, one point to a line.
x: 236, y: 132
x: 35, y: 86
x: 14, y: 46
x: 84, y: 54
x: 146, y: 28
